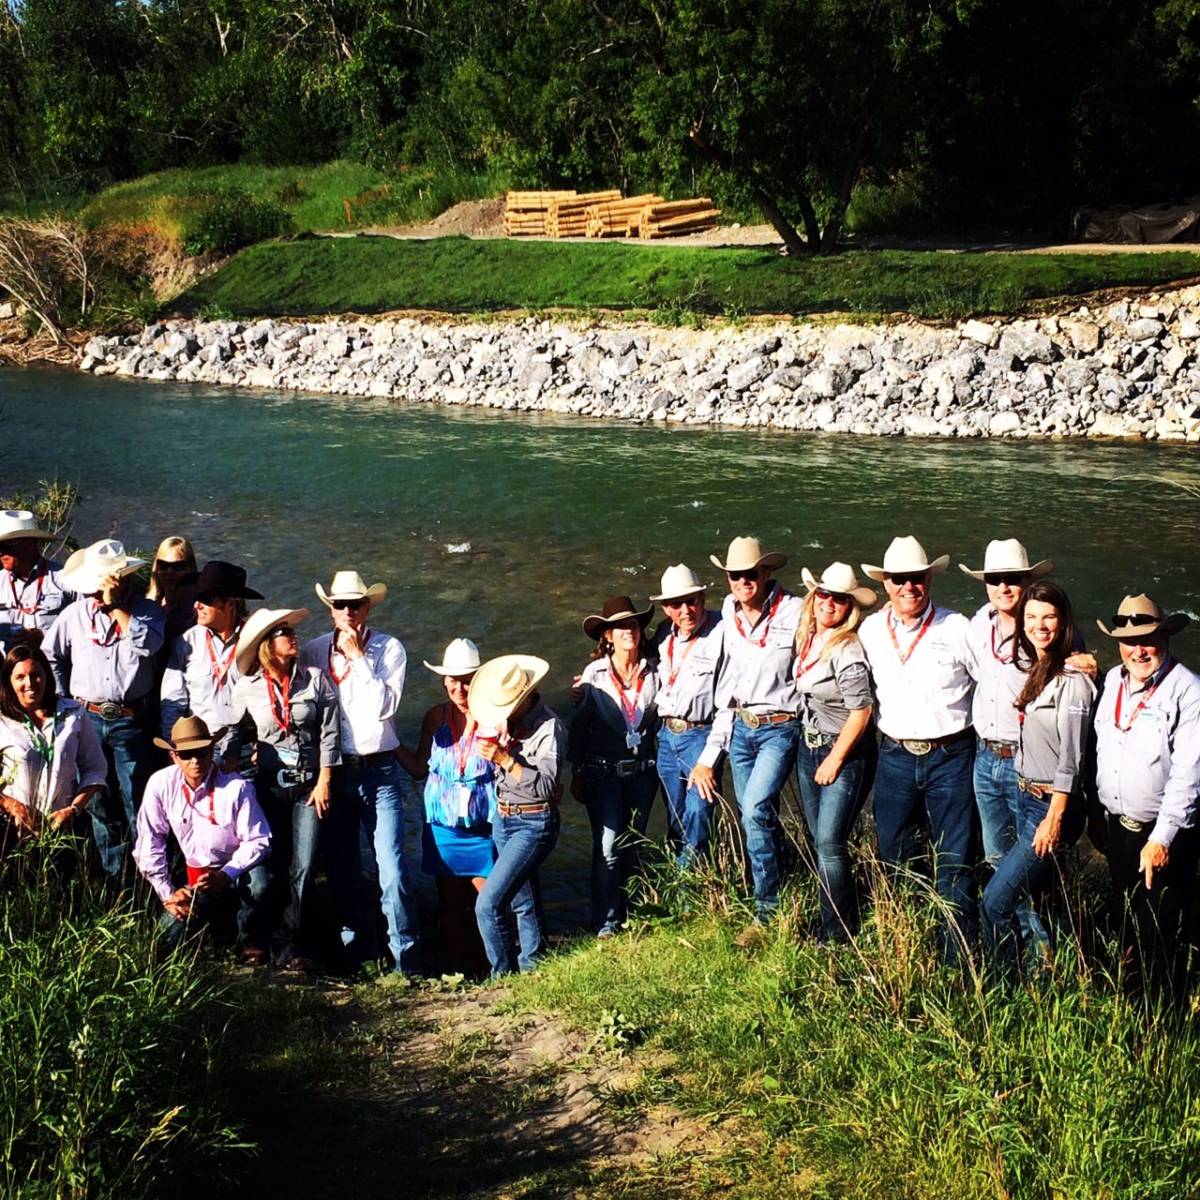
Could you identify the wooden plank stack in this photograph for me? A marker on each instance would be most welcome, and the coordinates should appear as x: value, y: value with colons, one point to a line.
x: 612, y: 219
x: 674, y: 218
x: 567, y: 217
x: 525, y: 212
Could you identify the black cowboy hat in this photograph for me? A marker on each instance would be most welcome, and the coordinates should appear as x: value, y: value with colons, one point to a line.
x: 221, y: 579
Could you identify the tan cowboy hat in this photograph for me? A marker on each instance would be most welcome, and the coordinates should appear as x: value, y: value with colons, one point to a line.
x: 746, y: 553
x: 1142, y: 617
x: 188, y: 733
x: 20, y: 523
x: 679, y: 581
x: 840, y: 579
x: 906, y: 556
x: 461, y: 657
x: 613, y: 611
x: 349, y: 585
x: 258, y: 624
x: 87, y: 569
x: 1009, y: 557
x: 501, y: 684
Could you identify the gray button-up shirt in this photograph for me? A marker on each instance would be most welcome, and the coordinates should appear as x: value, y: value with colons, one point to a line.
x: 1150, y: 770
x: 597, y: 724
x: 1052, y: 739
x: 199, y: 679
x: 998, y: 680
x: 538, y: 744
x: 688, y: 669
x: 311, y: 738
x: 834, y: 685
x: 754, y: 676
x: 33, y: 603
x: 93, y: 660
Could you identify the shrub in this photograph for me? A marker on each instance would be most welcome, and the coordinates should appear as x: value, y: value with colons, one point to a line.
x: 228, y: 219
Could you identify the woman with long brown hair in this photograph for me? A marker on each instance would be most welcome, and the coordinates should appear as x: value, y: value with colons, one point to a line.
x: 1054, y: 709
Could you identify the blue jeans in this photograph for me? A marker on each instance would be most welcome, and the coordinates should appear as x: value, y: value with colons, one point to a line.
x: 997, y: 798
x: 687, y: 810
x: 1020, y: 874
x: 249, y: 892
x: 367, y: 864
x: 830, y: 812
x: 760, y: 760
x: 113, y: 812
x: 523, y: 842
x: 615, y: 808
x: 936, y: 786
x: 295, y: 828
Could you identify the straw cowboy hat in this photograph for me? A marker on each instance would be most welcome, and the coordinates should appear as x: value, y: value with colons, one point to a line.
x: 679, y: 581
x: 220, y: 579
x: 188, y: 733
x: 745, y: 554
x: 501, y: 684
x: 615, y: 610
x: 461, y: 657
x: 1009, y: 558
x: 840, y: 579
x: 906, y: 556
x: 349, y: 585
x: 87, y: 569
x: 258, y: 624
x: 1139, y: 616
x: 20, y: 523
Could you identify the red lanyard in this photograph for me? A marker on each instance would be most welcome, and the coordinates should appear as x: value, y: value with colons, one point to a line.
x: 189, y: 798
x: 998, y: 657
x: 17, y: 600
x: 904, y: 656
x: 464, y: 747
x: 803, y: 663
x: 281, y: 710
x: 1141, y: 703
x: 672, y: 670
x: 110, y: 637
x: 337, y: 679
x: 761, y: 641
x: 630, y: 710
x: 220, y: 670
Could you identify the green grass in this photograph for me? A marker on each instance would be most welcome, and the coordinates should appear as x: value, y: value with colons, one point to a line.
x: 375, y: 274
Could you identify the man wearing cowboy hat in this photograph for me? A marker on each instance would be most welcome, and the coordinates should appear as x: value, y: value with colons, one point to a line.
x: 921, y: 661
x: 102, y: 648
x: 367, y: 862
x: 1146, y: 799
x: 757, y: 686
x: 221, y: 831
x: 689, y: 646
x: 202, y: 667
x: 31, y: 589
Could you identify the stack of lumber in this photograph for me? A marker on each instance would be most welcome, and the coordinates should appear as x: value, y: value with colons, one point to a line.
x: 525, y: 212
x: 568, y: 217
x: 614, y: 218
x: 673, y: 218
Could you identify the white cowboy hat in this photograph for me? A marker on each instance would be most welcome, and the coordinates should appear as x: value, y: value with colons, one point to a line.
x: 746, y: 553
x: 1148, y: 618
x: 679, y: 581
x: 87, y: 569
x: 20, y: 523
x: 1009, y: 557
x: 840, y: 579
x: 501, y: 684
x: 258, y: 624
x: 349, y: 585
x: 461, y: 657
x: 906, y: 556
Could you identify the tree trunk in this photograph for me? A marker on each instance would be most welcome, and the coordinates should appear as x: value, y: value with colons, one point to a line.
x: 833, y: 227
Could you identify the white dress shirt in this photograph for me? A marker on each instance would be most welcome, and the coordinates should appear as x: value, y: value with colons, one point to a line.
x: 688, y: 669
x: 998, y: 679
x: 76, y: 759
x: 922, y: 678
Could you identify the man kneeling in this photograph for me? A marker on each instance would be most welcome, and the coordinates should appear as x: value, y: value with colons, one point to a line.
x: 222, y: 833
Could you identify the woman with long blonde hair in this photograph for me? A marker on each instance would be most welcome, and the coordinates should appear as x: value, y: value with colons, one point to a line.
x: 835, y: 762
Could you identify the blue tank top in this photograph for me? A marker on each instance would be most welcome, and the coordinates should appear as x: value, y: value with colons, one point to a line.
x: 458, y: 793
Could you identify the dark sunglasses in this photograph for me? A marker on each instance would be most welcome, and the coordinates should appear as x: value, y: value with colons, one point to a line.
x: 695, y: 600
x: 282, y: 631
x: 1000, y: 579
x: 1123, y: 619
x: 352, y: 605
x: 751, y: 574
x: 907, y: 577
x: 211, y: 601
x: 170, y: 566
x: 188, y: 755
x: 823, y: 594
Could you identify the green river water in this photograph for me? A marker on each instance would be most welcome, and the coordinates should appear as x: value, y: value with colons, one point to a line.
x: 510, y: 529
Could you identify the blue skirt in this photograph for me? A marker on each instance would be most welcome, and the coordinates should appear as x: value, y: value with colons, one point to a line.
x: 447, y: 850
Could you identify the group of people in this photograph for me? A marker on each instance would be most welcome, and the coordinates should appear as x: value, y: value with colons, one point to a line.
x: 984, y: 739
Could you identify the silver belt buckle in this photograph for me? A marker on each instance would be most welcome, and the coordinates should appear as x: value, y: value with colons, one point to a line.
x: 749, y: 719
x: 917, y: 746
x: 626, y: 768
x: 814, y: 739
x: 676, y: 724
x: 1132, y: 825
x: 291, y: 777
x: 108, y: 710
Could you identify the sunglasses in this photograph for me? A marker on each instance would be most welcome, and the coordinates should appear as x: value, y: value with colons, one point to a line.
x: 907, y: 577
x: 736, y: 575
x: 352, y: 605
x: 836, y: 597
x: 696, y: 600
x: 170, y: 566
x: 1000, y: 579
x: 284, y: 631
x: 1121, y: 620
x: 212, y: 601
x: 188, y: 755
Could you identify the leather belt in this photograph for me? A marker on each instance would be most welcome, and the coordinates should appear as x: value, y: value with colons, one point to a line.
x: 367, y: 760
x: 679, y: 725
x: 622, y: 768
x: 110, y: 710
x: 920, y: 746
x: 753, y: 720
x: 1039, y: 791
x: 521, y: 810
x: 1000, y: 749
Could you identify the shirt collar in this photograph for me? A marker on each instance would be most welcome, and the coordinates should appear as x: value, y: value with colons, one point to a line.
x: 921, y: 617
x: 1150, y: 683
x: 205, y: 785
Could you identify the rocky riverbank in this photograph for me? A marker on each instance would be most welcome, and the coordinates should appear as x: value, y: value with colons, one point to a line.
x: 1127, y: 369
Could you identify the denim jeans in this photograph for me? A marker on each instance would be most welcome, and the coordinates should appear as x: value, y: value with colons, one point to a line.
x: 619, y: 810
x: 760, y: 761
x: 936, y: 786
x: 295, y: 829
x: 687, y: 810
x: 998, y: 799
x: 1021, y: 874
x: 830, y: 812
x: 511, y: 892
x: 249, y: 894
x: 113, y: 812
x: 367, y: 864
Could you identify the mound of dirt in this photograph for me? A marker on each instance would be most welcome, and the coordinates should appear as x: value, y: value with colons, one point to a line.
x: 470, y: 218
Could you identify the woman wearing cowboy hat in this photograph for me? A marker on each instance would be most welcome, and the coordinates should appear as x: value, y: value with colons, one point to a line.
x: 295, y: 716
x: 524, y: 740
x: 612, y: 751
x: 31, y: 587
x: 835, y: 763
x: 460, y: 795
x: 1147, y: 791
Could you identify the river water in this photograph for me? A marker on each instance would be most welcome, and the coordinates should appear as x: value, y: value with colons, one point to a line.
x: 511, y: 528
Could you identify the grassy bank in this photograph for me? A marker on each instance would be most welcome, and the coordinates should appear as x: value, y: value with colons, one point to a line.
x: 375, y: 274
